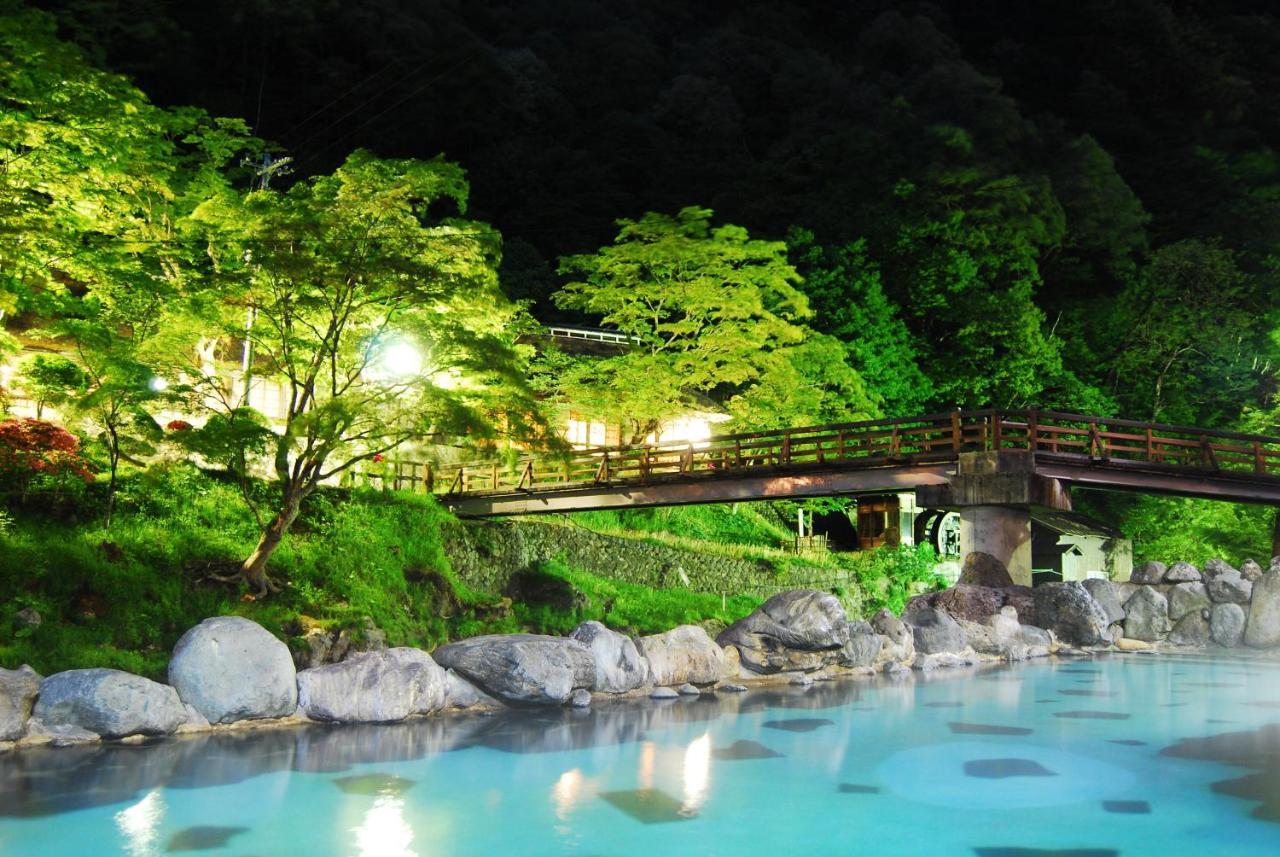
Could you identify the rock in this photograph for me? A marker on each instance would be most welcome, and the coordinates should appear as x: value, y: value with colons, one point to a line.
x: 730, y: 662
x: 1188, y: 598
x: 663, y: 693
x: 230, y: 669
x: 1226, y: 624
x: 683, y: 654
x: 1149, y: 572
x: 733, y: 688
x: 374, y: 687
x: 1108, y: 598
x: 460, y: 693
x: 800, y: 629
x: 1229, y: 587
x: 983, y: 569
x: 1182, y: 572
x: 966, y: 601
x: 18, y: 689
x: 61, y: 735
x: 1216, y: 567
x: 1124, y: 644
x: 1251, y: 571
x: 1033, y: 637
x: 529, y: 669
x: 28, y: 618
x: 110, y: 703
x: 580, y: 699
x: 899, y: 643
x: 934, y: 631
x: 1071, y: 613
x: 1263, y: 631
x: 1004, y: 625
x: 942, y: 660
x: 1146, y: 616
x: 688, y: 690
x: 619, y: 667
x: 863, y: 647
x: 801, y: 681
x: 1191, y: 629
x: 195, y: 721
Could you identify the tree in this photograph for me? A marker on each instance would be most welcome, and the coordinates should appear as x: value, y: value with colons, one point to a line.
x: 381, y: 319
x: 51, y: 380
x: 709, y: 310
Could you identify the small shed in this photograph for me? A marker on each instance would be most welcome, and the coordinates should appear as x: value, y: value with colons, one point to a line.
x: 1071, y: 546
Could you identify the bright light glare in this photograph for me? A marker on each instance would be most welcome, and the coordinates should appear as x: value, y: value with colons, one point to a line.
x: 697, y: 774
x: 384, y: 831
x: 397, y: 360
x: 139, y: 825
x: 157, y: 385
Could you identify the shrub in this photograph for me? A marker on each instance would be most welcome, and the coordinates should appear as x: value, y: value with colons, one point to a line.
x: 36, y: 452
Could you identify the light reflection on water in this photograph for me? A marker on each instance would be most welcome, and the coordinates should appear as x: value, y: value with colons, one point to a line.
x: 139, y: 825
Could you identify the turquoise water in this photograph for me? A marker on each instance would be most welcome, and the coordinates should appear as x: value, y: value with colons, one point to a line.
x: 1051, y: 757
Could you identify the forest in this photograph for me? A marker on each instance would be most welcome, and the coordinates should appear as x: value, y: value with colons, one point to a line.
x: 801, y: 212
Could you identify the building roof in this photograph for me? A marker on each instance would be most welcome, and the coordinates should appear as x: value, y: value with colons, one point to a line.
x: 1073, y: 524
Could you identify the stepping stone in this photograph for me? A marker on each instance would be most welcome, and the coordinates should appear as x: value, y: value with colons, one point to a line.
x: 374, y: 785
x: 854, y: 789
x: 740, y: 750
x: 648, y: 806
x: 1127, y: 807
x: 1000, y: 769
x: 664, y: 693
x: 688, y: 690
x: 1092, y: 715
x: 987, y: 729
x: 1127, y: 742
x: 732, y: 688
x: 202, y: 838
x: 799, y: 724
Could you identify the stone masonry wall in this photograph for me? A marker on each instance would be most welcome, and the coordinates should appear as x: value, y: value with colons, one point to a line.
x: 485, y: 554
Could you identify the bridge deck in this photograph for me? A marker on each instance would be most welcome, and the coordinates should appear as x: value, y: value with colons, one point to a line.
x: 853, y: 458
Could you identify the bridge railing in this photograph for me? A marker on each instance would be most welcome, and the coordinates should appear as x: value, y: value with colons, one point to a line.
x: 930, y: 438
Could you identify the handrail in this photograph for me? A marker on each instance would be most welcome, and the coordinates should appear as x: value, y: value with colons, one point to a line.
x: 928, y: 438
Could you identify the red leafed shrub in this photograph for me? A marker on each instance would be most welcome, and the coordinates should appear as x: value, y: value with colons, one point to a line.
x: 178, y: 425
x: 34, y: 448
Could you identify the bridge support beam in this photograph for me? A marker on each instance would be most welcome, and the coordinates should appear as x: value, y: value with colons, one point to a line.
x: 1002, y: 531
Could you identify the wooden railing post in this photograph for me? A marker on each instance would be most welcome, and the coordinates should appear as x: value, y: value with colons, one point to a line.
x: 997, y: 425
x: 737, y: 452
x: 1259, y: 460
x: 840, y: 444
x: 1207, y: 457
x: 428, y: 478
x: 895, y: 443
x: 1095, y: 445
x: 686, y: 461
x: 1151, y: 446
x: 1033, y: 430
x: 602, y: 472
x: 956, y: 437
x: 785, y: 455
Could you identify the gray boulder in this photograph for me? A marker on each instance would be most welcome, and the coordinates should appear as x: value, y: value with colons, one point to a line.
x: 1191, y: 630
x: 1182, y: 572
x: 899, y: 642
x: 685, y: 654
x: 1071, y: 613
x: 580, y: 699
x: 1226, y: 624
x: 110, y: 703
x: 964, y: 601
x: 1263, y: 631
x: 18, y: 689
x: 802, y: 629
x: 983, y: 569
x: 1146, y: 616
x: 663, y: 693
x: 526, y: 669
x: 460, y: 693
x: 1251, y: 571
x: 863, y: 647
x: 934, y: 631
x: 374, y: 687
x: 1149, y: 572
x: 1215, y: 567
x: 1229, y: 588
x: 1188, y: 598
x: 1108, y: 598
x: 1035, y: 638
x: 230, y: 669
x: 619, y: 667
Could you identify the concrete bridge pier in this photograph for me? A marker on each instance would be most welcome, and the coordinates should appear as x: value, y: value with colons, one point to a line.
x: 1002, y: 531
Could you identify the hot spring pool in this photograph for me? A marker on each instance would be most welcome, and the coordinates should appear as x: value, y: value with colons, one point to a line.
x: 1060, y: 758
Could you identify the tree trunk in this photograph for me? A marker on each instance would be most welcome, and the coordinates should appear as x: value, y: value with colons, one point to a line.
x: 254, y: 569
x: 114, y: 457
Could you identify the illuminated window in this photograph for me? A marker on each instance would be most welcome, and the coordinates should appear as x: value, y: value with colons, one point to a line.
x: 580, y: 432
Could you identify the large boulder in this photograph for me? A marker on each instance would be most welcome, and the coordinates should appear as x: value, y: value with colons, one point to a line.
x: 1251, y: 571
x: 1263, y: 631
x: 110, y: 703
x: 683, y: 655
x: 899, y: 643
x: 1215, y: 567
x: 229, y: 668
x: 619, y: 667
x: 1108, y: 598
x: 1188, y: 598
x: 935, y: 631
x: 1182, y: 572
x: 1227, y: 624
x: 525, y: 669
x: 863, y: 647
x: 1071, y: 613
x: 983, y: 569
x: 1149, y: 572
x: 18, y: 689
x: 802, y: 629
x: 1229, y: 587
x: 964, y: 601
x: 1023, y: 600
x: 374, y: 687
x: 1146, y: 616
x: 1191, y: 630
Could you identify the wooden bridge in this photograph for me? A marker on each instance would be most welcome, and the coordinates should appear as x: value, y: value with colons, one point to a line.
x: 1049, y: 451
